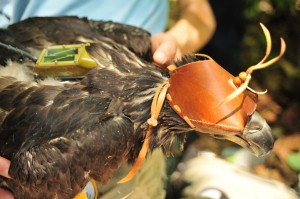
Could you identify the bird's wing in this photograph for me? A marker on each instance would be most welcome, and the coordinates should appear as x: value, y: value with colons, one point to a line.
x: 68, y: 162
x: 59, y: 131
x: 39, y: 32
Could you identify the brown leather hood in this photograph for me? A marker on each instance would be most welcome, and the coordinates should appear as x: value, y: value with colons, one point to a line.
x: 197, y: 88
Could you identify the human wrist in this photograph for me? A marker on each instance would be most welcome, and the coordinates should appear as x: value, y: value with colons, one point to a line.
x: 186, y: 36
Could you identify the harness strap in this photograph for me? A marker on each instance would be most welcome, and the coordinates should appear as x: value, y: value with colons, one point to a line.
x: 156, y: 106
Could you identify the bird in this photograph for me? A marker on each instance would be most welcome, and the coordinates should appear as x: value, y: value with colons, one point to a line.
x: 59, y: 135
x: 33, y: 35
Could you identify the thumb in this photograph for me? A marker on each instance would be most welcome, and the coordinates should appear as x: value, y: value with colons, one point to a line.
x: 165, y: 53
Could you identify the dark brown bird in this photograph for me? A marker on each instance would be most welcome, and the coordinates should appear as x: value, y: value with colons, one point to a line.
x: 59, y: 136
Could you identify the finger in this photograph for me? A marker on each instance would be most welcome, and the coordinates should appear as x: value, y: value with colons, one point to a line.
x: 165, y: 53
x: 5, y: 194
x: 4, y: 166
x: 155, y: 42
x: 178, y: 55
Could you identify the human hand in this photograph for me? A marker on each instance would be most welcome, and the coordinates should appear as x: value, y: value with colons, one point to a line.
x: 164, y: 49
x: 190, y: 33
x: 4, y: 165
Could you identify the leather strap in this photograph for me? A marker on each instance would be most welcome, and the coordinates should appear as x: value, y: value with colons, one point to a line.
x: 157, y: 103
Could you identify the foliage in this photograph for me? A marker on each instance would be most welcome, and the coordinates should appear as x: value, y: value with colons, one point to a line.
x: 253, y: 8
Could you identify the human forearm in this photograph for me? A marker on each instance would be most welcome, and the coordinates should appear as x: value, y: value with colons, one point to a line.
x: 195, y: 27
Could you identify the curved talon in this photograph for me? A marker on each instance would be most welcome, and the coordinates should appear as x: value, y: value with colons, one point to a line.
x: 242, y: 81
